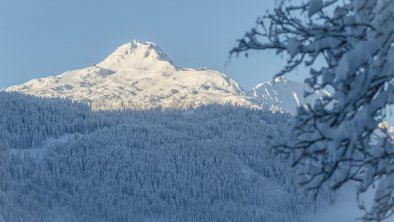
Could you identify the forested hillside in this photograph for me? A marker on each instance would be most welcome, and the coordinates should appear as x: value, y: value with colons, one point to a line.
x: 60, y: 161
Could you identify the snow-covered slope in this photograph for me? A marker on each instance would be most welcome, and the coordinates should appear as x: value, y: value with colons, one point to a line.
x: 138, y: 75
x: 282, y: 95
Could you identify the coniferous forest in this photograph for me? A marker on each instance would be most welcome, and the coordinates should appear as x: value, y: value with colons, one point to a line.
x: 60, y: 161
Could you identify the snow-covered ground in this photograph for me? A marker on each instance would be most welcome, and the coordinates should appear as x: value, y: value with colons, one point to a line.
x: 48, y: 143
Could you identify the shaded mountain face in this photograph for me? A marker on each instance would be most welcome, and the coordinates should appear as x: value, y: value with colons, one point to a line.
x: 139, y: 75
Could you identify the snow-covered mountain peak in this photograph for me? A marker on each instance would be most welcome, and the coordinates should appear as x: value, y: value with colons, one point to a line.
x: 282, y: 95
x: 139, y: 75
x: 138, y: 55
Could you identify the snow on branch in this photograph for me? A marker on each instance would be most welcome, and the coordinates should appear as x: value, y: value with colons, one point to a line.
x: 338, y: 139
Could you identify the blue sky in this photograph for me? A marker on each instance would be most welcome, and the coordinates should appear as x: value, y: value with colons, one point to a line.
x: 46, y: 37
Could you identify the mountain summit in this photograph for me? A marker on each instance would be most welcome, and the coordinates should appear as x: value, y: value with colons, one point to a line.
x: 139, y: 75
x: 138, y: 55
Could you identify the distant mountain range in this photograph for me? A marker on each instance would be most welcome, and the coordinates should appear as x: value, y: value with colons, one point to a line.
x: 139, y: 75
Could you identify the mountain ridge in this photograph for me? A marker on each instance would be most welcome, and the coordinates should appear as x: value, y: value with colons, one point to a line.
x: 139, y: 75
x: 283, y: 95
